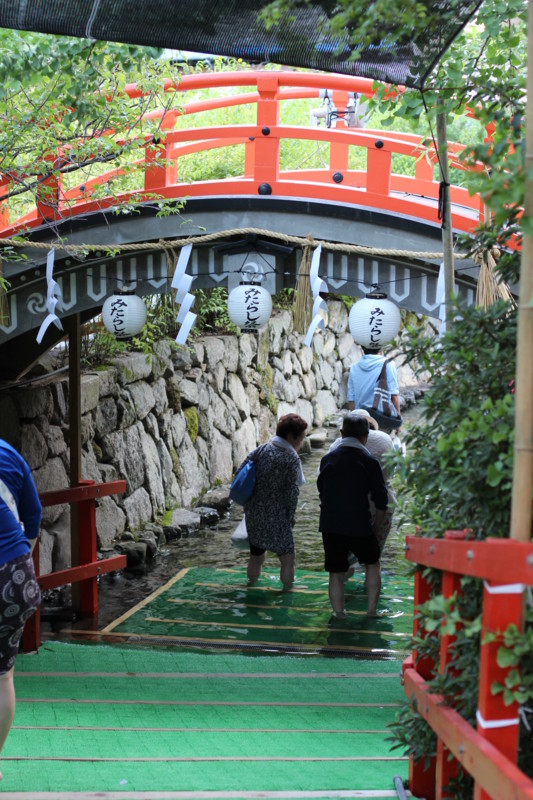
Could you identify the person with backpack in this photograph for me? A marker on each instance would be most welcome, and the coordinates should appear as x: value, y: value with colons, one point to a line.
x: 363, y: 379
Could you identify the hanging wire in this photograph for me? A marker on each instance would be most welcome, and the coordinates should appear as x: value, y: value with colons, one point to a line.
x: 443, y: 185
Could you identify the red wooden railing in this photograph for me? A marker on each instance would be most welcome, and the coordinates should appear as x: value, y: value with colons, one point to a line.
x: 86, y: 572
x: 489, y: 753
x: 377, y: 186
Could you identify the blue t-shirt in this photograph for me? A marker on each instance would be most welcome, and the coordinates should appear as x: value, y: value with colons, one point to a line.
x: 364, y: 376
x: 16, y: 475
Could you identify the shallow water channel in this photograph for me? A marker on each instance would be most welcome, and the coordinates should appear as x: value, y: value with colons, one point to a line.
x: 212, y: 547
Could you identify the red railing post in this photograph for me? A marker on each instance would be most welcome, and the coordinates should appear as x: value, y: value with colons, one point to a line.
x: 48, y: 191
x: 84, y: 495
x: 31, y: 638
x: 87, y: 552
x: 421, y: 775
x: 266, y: 151
x: 447, y: 766
x: 497, y: 722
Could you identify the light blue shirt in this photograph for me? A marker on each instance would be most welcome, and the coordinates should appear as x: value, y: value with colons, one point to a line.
x: 364, y: 376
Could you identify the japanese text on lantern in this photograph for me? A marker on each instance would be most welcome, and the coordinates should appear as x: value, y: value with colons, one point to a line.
x: 376, y: 324
x: 251, y: 300
x: 117, y: 314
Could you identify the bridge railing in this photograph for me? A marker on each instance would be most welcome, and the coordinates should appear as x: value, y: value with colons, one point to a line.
x: 375, y: 186
x: 87, y: 568
x: 489, y: 753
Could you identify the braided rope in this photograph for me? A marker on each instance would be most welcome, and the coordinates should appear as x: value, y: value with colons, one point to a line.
x: 212, y: 237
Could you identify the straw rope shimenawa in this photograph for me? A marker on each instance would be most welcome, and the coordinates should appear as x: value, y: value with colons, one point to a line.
x: 303, y: 304
x: 490, y: 288
x: 164, y: 244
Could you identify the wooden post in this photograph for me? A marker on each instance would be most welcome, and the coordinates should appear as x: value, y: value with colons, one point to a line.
x: 421, y: 775
x: 72, y: 324
x: 447, y: 233
x: 497, y: 722
x: 266, y: 150
x: 521, y: 508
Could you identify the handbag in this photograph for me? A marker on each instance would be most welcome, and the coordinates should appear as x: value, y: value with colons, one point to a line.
x: 382, y: 409
x: 243, y: 485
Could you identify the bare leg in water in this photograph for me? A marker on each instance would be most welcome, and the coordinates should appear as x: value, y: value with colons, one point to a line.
x: 254, y: 567
x: 336, y: 593
x: 373, y: 587
x: 286, y: 572
x: 7, y: 706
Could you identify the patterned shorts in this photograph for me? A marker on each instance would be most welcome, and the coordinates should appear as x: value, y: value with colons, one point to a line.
x: 20, y: 597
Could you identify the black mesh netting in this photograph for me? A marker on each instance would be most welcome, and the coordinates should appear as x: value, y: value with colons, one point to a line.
x: 401, y: 53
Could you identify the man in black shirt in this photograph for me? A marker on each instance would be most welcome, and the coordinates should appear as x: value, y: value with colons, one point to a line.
x: 348, y: 476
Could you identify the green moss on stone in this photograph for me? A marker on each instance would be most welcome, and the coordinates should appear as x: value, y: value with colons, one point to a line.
x: 191, y: 417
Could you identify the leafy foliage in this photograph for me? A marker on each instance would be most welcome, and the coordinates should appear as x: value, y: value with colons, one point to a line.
x: 459, y: 465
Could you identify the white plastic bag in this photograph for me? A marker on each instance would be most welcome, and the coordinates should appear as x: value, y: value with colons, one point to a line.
x: 239, y: 537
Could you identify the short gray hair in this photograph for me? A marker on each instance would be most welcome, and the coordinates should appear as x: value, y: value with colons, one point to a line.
x: 356, y: 425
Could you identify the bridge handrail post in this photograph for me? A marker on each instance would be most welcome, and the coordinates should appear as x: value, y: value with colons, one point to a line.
x: 498, y: 723
x: 48, y: 201
x: 447, y: 767
x: 421, y: 773
x: 86, y: 573
x: 266, y: 150
x: 495, y: 742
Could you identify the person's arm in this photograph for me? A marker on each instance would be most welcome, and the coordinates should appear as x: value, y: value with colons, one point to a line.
x: 350, y: 390
x: 392, y: 383
x: 29, y: 507
x: 379, y: 516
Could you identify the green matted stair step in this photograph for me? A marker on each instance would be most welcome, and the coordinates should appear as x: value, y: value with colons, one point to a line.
x: 169, y: 708
x: 116, y: 720
x: 217, y: 609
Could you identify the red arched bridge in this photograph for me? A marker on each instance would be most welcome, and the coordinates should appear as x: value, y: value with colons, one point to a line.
x: 379, y: 224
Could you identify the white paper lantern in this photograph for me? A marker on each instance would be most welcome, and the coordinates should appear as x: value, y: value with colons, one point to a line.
x: 124, y: 315
x: 249, y: 306
x: 374, y: 320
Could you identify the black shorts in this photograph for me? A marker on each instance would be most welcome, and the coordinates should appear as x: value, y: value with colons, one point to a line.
x: 20, y: 597
x: 337, y: 548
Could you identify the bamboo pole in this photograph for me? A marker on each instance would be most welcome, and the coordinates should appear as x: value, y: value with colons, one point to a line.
x: 521, y: 507
x: 447, y: 233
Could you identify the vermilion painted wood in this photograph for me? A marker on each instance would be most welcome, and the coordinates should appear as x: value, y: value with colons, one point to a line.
x: 261, y: 159
x: 495, y: 773
x: 421, y: 777
x: 74, y: 574
x: 500, y: 560
x: 447, y: 766
x: 88, y: 570
x: 85, y: 491
x: 31, y: 637
x: 499, y: 611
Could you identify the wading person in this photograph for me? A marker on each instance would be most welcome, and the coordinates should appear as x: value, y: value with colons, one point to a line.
x: 363, y: 378
x: 20, y: 518
x: 348, y: 477
x: 270, y: 511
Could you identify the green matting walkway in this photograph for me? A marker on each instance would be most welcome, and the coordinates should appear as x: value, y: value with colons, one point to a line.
x: 130, y: 721
x: 207, y: 607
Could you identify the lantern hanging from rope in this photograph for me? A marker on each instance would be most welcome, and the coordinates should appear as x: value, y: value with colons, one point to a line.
x: 249, y: 304
x: 374, y: 320
x: 124, y: 314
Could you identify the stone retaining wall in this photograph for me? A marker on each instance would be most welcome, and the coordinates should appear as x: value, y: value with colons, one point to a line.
x: 177, y: 424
